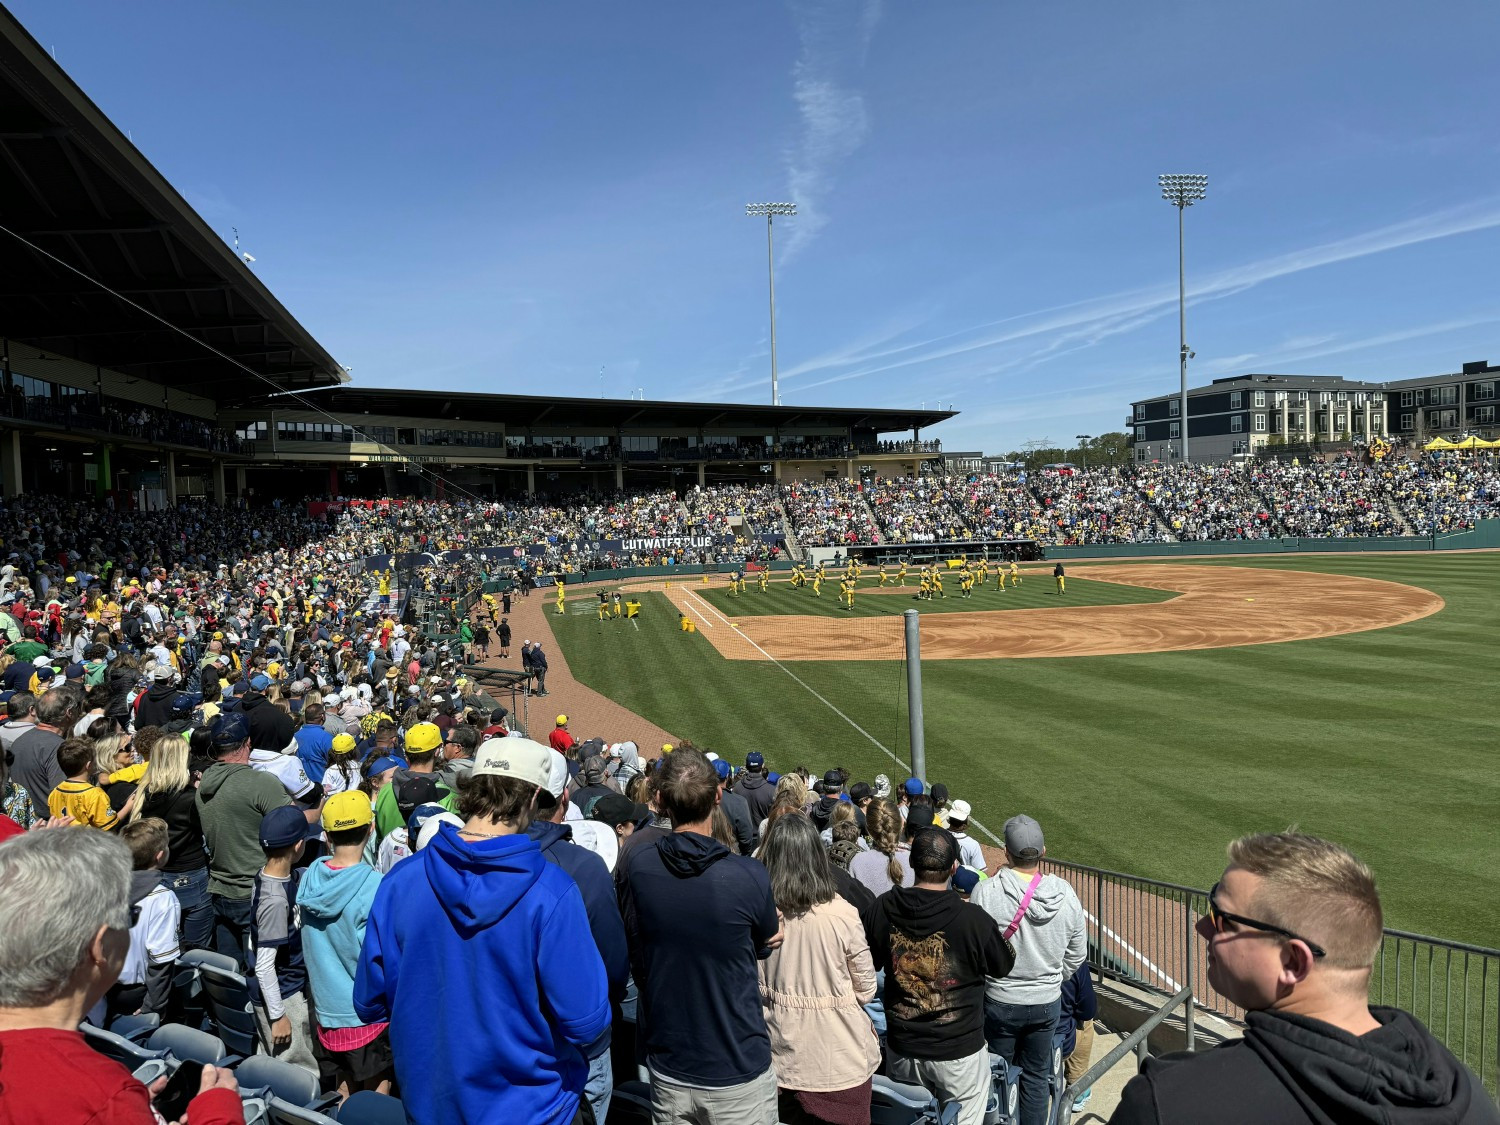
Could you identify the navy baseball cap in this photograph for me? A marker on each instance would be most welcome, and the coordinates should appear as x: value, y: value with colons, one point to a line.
x: 76, y: 672
x: 229, y: 730
x: 755, y: 760
x: 283, y: 827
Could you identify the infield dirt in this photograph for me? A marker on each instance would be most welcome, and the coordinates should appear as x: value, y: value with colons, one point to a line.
x: 1216, y: 607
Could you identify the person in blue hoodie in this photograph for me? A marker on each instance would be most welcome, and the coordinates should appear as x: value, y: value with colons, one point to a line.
x: 478, y: 952
x: 335, y: 898
x: 597, y: 886
x: 697, y: 919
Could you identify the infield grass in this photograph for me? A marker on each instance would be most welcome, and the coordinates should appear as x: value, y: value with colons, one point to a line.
x: 1384, y: 741
x: 1036, y: 591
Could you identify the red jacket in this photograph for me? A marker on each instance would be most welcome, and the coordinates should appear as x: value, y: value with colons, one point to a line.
x: 54, y: 1076
x: 560, y: 740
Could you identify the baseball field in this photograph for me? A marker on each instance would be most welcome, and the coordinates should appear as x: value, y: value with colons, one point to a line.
x: 1145, y: 717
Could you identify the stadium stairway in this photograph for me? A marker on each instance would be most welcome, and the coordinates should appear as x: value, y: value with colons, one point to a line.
x: 794, y: 549
x: 870, y: 514
x: 1400, y: 517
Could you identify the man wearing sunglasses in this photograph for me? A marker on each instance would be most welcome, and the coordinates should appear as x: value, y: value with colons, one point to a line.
x: 1293, y: 928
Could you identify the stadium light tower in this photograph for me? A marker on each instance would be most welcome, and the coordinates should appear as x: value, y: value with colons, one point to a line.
x: 770, y: 211
x: 1083, y: 447
x: 1182, y: 192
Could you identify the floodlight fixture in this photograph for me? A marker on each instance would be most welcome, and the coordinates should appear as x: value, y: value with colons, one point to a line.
x: 770, y: 211
x: 1182, y: 191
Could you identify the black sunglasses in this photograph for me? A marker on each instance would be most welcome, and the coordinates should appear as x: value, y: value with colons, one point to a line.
x: 1217, y: 918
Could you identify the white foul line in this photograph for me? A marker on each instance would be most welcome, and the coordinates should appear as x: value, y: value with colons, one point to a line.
x: 999, y: 843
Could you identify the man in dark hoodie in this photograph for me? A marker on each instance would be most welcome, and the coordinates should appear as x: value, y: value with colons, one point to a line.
x: 271, y: 728
x: 553, y: 835
x: 936, y: 950
x: 154, y: 707
x: 833, y: 793
x: 752, y: 785
x: 1293, y: 929
x: 697, y: 918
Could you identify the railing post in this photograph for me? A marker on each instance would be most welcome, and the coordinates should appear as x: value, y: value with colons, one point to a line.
x: 1191, y: 958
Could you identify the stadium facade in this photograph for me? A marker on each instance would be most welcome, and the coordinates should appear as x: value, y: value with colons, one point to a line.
x: 141, y: 359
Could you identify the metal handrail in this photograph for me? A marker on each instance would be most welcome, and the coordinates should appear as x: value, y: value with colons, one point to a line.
x: 1062, y: 1105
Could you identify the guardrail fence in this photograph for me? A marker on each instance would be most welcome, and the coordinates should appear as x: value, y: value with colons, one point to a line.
x: 1142, y: 931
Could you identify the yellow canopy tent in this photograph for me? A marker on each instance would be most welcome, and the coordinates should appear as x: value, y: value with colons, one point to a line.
x: 1440, y: 443
x: 1480, y: 443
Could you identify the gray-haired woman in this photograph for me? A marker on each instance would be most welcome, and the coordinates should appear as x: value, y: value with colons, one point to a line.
x: 823, y: 1045
x: 64, y: 935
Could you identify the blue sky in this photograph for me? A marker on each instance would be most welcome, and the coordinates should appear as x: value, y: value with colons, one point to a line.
x: 507, y: 196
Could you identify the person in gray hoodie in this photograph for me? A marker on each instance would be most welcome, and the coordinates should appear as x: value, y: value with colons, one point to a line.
x: 1042, y: 919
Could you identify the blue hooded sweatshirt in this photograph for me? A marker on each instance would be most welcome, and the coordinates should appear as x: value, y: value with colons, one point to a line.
x: 480, y: 956
x: 697, y: 918
x: 334, y: 905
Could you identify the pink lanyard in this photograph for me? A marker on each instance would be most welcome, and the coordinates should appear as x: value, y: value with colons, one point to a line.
x: 1015, y: 923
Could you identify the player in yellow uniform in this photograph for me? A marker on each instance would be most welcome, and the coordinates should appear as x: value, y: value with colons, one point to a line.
x: 846, y: 591
x: 822, y: 571
x: 884, y: 576
x: 901, y: 575
x: 798, y: 579
x: 603, y: 606
x: 965, y: 583
x: 562, y: 597
x: 734, y: 584
x: 1015, y: 574
x: 763, y: 580
x: 1000, y: 577
x: 937, y: 582
x: 924, y: 590
x: 817, y: 583
x: 1060, y: 576
x: 982, y: 573
x: 743, y: 581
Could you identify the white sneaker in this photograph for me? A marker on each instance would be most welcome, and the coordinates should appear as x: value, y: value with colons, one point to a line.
x: 1082, y: 1100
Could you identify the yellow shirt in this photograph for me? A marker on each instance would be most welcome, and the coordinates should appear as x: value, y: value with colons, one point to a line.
x: 87, y: 804
x: 129, y: 773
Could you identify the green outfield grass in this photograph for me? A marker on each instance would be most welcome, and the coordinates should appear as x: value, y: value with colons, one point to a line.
x: 1150, y: 764
x: 1036, y: 591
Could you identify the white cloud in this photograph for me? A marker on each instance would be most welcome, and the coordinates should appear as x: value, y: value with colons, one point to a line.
x: 834, y: 121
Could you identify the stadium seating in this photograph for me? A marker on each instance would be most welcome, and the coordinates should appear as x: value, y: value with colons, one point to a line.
x: 896, y: 1103
x: 226, y: 995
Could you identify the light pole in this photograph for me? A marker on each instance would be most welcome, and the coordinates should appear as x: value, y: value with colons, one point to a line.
x: 1083, y: 447
x: 770, y: 210
x: 1182, y: 192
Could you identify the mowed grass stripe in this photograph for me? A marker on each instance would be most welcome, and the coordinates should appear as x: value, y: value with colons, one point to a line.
x: 1381, y: 740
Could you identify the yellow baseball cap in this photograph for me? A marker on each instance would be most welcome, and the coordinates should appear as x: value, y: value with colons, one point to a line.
x: 666, y: 747
x: 349, y: 809
x: 343, y: 743
x: 562, y: 720
x: 424, y: 737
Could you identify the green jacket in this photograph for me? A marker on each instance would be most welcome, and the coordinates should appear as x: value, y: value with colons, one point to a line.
x: 232, y: 799
x: 388, y: 811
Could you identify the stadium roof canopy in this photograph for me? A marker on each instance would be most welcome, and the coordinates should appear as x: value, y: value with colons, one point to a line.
x: 76, y: 187
x: 538, y: 412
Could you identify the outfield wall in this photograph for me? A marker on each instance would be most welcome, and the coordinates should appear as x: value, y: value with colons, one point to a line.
x: 1486, y: 534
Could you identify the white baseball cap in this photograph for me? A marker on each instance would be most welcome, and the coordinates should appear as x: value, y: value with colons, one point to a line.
x: 959, y: 810
x: 516, y: 757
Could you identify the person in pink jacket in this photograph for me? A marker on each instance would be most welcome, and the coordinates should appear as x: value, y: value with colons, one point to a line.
x: 812, y: 988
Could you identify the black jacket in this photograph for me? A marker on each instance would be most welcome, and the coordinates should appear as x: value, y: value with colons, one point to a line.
x: 759, y: 794
x: 154, y: 709
x: 271, y: 728
x: 936, y: 949
x: 696, y: 919
x: 1290, y: 1069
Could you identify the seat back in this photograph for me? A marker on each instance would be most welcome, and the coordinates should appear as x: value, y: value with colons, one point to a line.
x: 896, y: 1103
x: 369, y: 1108
x: 1004, y: 1104
x: 279, y: 1112
x: 230, y: 1007
x: 282, y: 1079
x: 630, y: 1103
x: 186, y: 1044
x: 197, y: 958
x: 130, y: 1055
